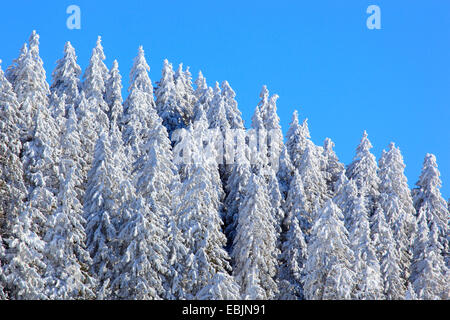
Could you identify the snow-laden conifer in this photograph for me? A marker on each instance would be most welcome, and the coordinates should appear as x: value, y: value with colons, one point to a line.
x: 328, y: 269
x: 28, y: 78
x: 66, y: 275
x: 94, y: 87
x: 396, y: 202
x: 296, y: 139
x: 388, y: 257
x: 221, y: 287
x: 429, y: 275
x: 368, y: 281
x: 427, y: 197
x: 114, y: 94
x: 66, y: 76
x: 254, y: 249
x: 332, y: 167
x: 12, y: 187
x: 363, y: 170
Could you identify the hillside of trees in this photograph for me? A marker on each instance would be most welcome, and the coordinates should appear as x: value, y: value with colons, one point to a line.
x: 165, y: 194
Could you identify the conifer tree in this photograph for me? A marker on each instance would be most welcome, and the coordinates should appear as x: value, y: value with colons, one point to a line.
x: 199, y: 219
x: 235, y: 188
x: 427, y: 197
x: 12, y: 187
x: 369, y: 285
x: 88, y: 136
x: 396, y: 203
x: 24, y: 260
x: 233, y: 114
x: 314, y: 185
x: 221, y: 287
x: 388, y: 256
x: 114, y: 94
x: 328, y: 269
x: 167, y: 102
x: 332, y: 168
x: 102, y: 215
x: 296, y: 139
x: 66, y: 274
x: 185, y: 93
x: 293, y: 258
x: 254, y: 250
x: 429, y: 275
x: 94, y: 87
x: 285, y: 172
x: 138, y: 107
x: 66, y: 76
x: 41, y: 156
x: 27, y: 76
x: 363, y: 170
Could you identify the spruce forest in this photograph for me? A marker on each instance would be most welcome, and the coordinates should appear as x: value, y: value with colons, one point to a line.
x: 166, y: 194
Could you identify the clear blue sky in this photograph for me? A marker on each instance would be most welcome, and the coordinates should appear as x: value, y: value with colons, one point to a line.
x: 317, y: 55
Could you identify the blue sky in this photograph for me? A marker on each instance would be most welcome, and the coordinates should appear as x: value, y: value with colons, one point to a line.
x: 318, y: 56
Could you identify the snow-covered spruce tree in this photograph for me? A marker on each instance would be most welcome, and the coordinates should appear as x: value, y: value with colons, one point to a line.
x: 12, y: 187
x: 428, y: 196
x: 276, y: 202
x: 102, y: 215
x: 24, y: 260
x: 138, y: 107
x: 236, y: 187
x: 254, y: 251
x: 94, y: 87
x: 114, y: 94
x: 396, y: 203
x: 221, y: 287
x: 185, y: 93
x: 27, y: 76
x: 332, y: 167
x: 41, y: 156
x: 314, y: 184
x: 141, y: 261
x: 387, y: 253
x: 429, y: 275
x: 296, y: 204
x: 363, y: 170
x: 66, y: 274
x: 203, y: 94
x: 274, y: 134
x: 293, y: 258
x: 199, y: 221
x: 296, y: 139
x: 221, y: 137
x: 258, y: 143
x: 168, y: 103
x: 71, y: 149
x: 285, y: 172
x: 88, y: 135
x: 328, y: 269
x: 368, y: 281
x: 234, y: 116
x: 156, y: 181
x: 66, y: 76
x: 346, y: 199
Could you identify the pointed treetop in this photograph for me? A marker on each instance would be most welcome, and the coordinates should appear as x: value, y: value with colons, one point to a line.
x: 34, y: 42
x: 328, y: 145
x: 217, y: 90
x: 200, y: 82
x: 364, y: 146
x: 264, y: 95
x: 227, y: 90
